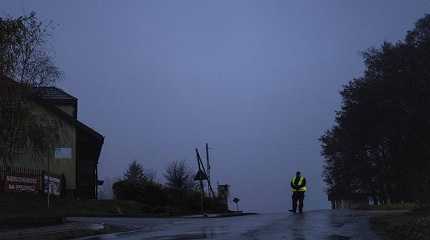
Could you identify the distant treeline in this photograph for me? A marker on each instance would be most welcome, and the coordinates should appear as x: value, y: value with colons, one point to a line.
x: 380, y: 143
x: 179, y: 195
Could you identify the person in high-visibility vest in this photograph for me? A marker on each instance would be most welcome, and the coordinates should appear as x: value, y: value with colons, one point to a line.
x: 298, y: 187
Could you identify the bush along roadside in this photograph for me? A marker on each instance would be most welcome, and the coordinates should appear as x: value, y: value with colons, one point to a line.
x: 179, y: 195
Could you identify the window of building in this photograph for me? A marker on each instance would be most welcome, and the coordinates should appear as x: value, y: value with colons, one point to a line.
x: 63, y: 153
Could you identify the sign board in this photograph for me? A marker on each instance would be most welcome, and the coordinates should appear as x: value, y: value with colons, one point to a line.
x: 63, y: 153
x: 22, y: 184
x: 52, y: 185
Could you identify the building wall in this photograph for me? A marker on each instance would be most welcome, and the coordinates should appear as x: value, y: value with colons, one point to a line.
x: 87, y: 166
x: 62, y: 162
x: 69, y: 109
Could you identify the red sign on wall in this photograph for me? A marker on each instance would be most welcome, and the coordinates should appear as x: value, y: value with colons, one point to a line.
x: 22, y: 184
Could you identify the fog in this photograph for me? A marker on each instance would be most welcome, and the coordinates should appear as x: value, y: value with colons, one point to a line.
x: 257, y: 80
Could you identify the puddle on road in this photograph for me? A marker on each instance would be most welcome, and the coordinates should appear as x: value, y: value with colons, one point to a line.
x: 147, y: 236
x: 338, y: 237
x: 181, y: 237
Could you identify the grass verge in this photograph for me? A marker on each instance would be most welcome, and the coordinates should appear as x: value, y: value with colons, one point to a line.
x: 414, y: 225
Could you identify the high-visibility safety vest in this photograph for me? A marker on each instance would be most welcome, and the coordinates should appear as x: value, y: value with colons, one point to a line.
x: 302, y: 189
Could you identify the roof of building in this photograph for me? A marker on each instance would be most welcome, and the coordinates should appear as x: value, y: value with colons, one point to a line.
x: 54, y: 94
x: 51, y: 95
x: 81, y: 127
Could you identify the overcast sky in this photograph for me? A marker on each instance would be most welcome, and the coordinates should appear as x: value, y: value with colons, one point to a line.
x: 257, y: 80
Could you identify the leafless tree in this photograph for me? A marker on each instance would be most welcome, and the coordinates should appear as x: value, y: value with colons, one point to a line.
x: 178, y: 176
x: 24, y: 56
x: 25, y: 64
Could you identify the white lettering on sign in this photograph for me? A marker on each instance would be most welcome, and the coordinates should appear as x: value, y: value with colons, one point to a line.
x: 22, y: 184
x: 21, y: 179
x: 63, y: 153
x: 22, y: 188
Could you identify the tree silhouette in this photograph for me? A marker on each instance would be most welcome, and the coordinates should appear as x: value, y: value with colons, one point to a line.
x: 178, y: 176
x: 380, y: 144
x: 134, y: 173
x: 25, y: 64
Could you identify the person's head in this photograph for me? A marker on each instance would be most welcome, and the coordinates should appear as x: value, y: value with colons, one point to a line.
x: 298, y: 174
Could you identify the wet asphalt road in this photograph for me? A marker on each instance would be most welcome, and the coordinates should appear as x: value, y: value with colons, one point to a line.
x: 324, y: 225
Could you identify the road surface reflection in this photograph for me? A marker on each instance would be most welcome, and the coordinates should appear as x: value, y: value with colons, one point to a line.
x: 324, y: 225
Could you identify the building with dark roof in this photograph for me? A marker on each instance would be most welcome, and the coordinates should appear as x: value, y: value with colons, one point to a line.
x: 60, y: 99
x: 77, y: 149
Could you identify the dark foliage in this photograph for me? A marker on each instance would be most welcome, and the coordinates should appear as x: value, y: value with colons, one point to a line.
x: 135, y: 173
x: 150, y: 193
x: 138, y: 187
x: 380, y: 144
x: 178, y: 196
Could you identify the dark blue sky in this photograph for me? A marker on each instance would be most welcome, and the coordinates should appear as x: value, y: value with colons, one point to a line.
x: 258, y: 80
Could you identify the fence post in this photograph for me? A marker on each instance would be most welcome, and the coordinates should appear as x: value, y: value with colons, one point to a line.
x: 42, y: 182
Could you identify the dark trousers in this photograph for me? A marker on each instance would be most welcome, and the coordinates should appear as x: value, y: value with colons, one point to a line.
x: 298, y: 197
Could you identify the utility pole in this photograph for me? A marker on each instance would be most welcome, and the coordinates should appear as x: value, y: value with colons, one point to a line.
x: 200, y: 176
x: 200, y: 162
x: 208, y: 166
